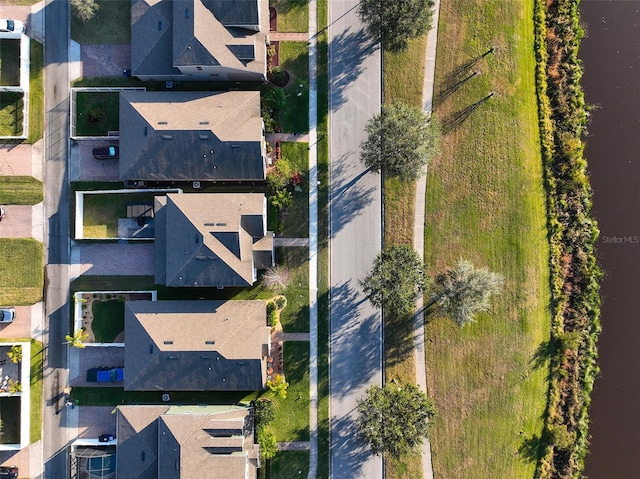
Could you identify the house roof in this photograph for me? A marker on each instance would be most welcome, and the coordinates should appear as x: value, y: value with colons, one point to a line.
x: 166, y: 34
x: 216, y: 239
x: 191, y: 136
x: 185, y: 442
x: 195, y: 345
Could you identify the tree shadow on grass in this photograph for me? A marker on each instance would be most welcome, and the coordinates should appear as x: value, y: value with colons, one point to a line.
x: 458, y: 77
x: 458, y: 118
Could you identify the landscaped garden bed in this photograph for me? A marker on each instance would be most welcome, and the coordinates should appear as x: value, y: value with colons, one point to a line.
x: 101, y: 314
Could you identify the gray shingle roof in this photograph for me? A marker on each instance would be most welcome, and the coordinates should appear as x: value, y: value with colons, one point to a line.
x: 191, y: 136
x: 195, y: 345
x: 185, y: 442
x: 213, y: 239
x: 178, y: 33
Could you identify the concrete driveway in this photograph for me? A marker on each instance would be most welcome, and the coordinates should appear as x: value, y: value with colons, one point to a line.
x: 84, y: 167
x: 115, y: 259
x: 17, y: 223
x: 93, y: 357
x: 93, y: 421
x: 21, y: 326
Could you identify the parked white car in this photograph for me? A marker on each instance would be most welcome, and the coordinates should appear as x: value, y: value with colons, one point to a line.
x: 11, y: 28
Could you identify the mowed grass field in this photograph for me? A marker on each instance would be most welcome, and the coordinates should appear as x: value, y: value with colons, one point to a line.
x: 485, y: 203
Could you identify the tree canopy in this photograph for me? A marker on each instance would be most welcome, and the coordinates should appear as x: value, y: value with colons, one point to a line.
x: 397, y: 276
x: 394, y: 420
x: 85, y: 10
x: 462, y: 291
x: 395, y: 22
x: 401, y: 140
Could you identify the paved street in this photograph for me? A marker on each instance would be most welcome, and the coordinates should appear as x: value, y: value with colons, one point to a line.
x: 356, y: 237
x: 57, y: 240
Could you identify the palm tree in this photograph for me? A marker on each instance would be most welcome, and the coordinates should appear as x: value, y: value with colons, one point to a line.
x: 464, y: 290
x: 76, y: 341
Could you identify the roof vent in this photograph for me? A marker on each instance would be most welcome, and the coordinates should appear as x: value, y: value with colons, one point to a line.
x: 160, y: 25
x: 151, y: 349
x: 145, y: 131
x: 209, y: 342
x: 204, y: 137
x: 221, y: 224
x: 173, y: 356
x: 168, y: 342
x: 167, y: 137
x: 163, y: 123
x: 186, y: 13
x: 235, y: 146
x: 203, y: 123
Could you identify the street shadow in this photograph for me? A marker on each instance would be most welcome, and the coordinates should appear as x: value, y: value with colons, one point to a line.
x: 347, y: 52
x: 347, y: 196
x: 355, y: 340
x: 348, y: 453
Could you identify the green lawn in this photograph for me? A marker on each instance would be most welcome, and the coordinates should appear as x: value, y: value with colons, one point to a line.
x: 293, y: 15
x: 295, y: 317
x: 292, y: 413
x: 101, y: 212
x: 9, y: 62
x: 97, y: 113
x: 290, y: 464
x: 485, y: 202
x: 11, y: 104
x: 404, y: 73
x: 294, y: 58
x: 20, y: 190
x: 21, y: 278
x: 403, y: 79
x: 108, y: 320
x: 296, y: 224
x: 111, y: 25
x: 36, y: 93
x: 35, y: 432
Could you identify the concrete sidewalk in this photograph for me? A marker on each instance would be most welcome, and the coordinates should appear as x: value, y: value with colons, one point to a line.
x: 418, y: 232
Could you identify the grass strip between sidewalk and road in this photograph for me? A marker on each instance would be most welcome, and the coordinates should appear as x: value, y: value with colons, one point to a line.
x: 485, y: 203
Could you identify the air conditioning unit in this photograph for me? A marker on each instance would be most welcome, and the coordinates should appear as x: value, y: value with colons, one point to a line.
x: 196, y: 185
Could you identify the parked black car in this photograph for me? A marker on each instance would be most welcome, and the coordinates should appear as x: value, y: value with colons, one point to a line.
x: 107, y: 153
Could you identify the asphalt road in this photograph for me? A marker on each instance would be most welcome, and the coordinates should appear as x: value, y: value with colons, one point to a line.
x: 56, y: 76
x: 356, y: 237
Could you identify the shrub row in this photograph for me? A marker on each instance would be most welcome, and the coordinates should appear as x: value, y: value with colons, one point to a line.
x: 575, y: 275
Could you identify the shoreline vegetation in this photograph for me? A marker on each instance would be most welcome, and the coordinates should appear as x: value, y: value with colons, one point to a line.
x: 575, y: 274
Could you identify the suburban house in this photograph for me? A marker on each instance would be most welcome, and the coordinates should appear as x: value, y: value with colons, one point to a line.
x: 186, y: 442
x: 191, y: 136
x: 199, y: 39
x: 196, y: 345
x: 211, y: 239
